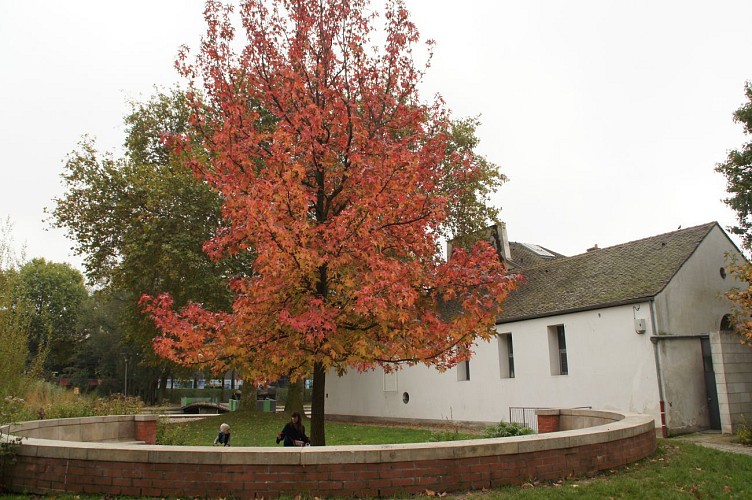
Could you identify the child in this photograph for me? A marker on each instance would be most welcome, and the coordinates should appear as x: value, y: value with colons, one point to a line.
x: 223, y: 438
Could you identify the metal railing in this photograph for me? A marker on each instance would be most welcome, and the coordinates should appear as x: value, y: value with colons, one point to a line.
x: 526, y: 415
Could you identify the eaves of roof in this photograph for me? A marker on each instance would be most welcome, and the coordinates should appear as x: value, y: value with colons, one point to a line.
x: 622, y: 274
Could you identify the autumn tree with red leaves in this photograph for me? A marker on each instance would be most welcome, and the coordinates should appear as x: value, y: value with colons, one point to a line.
x: 340, y: 179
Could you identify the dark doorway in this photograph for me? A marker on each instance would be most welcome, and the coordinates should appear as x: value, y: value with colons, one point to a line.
x: 714, y: 412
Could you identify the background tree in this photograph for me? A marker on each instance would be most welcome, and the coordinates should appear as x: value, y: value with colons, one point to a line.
x: 14, y: 337
x: 472, y: 210
x: 15, y: 317
x: 294, y: 403
x: 9, y: 259
x: 738, y: 172
x: 343, y: 196
x: 99, y: 355
x: 56, y: 293
x: 140, y: 222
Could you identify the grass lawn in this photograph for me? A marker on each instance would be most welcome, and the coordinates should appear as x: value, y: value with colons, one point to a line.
x: 260, y: 429
x: 678, y: 470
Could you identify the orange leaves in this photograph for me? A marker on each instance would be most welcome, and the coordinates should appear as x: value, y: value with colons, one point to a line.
x: 742, y: 299
x: 189, y: 337
x: 330, y: 169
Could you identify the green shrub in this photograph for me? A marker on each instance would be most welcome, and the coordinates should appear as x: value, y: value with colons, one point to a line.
x: 44, y: 400
x: 12, y: 409
x: 744, y: 432
x: 453, y: 435
x: 8, y: 449
x: 67, y: 408
x: 172, y: 434
x: 507, y: 429
x: 117, y: 404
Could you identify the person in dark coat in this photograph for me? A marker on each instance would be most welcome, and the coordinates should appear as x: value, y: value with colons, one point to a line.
x: 293, y: 433
x: 223, y: 438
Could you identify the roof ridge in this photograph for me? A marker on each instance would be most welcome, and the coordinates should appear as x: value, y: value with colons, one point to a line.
x: 676, y: 231
x: 565, y: 258
x: 618, y: 274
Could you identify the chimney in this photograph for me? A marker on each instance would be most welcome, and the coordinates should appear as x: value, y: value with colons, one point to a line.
x: 498, y: 238
x: 496, y: 235
x: 593, y: 248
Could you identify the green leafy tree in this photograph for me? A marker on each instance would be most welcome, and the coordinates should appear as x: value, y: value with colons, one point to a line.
x: 294, y: 401
x: 141, y: 221
x: 96, y: 359
x: 738, y: 172
x: 8, y: 257
x: 55, y: 292
x: 17, y: 367
x: 472, y: 210
x: 15, y: 317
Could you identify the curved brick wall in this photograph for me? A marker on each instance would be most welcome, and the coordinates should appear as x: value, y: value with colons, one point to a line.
x: 55, y: 466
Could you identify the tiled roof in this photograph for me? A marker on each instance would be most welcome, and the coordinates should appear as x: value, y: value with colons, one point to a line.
x: 523, y: 257
x: 608, y: 276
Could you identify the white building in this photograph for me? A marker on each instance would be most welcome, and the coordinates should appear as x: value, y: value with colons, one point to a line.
x: 638, y: 327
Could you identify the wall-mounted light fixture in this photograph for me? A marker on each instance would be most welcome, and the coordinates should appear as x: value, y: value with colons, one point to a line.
x: 639, y: 325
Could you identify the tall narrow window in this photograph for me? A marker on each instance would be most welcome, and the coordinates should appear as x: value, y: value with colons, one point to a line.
x: 510, y: 356
x: 463, y: 370
x: 557, y: 347
x: 563, y: 368
x: 506, y: 355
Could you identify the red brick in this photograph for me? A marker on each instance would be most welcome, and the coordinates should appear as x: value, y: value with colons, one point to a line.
x: 343, y: 476
x: 346, y: 479
x: 126, y: 491
x: 395, y: 473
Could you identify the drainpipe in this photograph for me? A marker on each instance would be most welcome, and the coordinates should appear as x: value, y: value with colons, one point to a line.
x: 658, y: 370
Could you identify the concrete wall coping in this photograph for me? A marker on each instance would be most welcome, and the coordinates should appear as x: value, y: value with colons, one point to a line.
x: 629, y: 425
x: 32, y: 425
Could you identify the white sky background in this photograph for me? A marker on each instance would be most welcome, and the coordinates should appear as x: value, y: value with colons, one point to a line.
x: 608, y: 116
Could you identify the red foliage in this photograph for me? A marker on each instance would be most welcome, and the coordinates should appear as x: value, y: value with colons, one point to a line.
x: 331, y: 169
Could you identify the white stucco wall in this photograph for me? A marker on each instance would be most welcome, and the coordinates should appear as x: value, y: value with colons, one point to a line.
x: 610, y: 367
x: 684, y: 394
x: 693, y: 302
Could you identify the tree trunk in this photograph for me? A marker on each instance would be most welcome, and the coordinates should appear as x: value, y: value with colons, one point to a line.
x: 318, y: 437
x: 248, y: 398
x: 294, y: 401
x: 150, y: 392
x: 163, y: 376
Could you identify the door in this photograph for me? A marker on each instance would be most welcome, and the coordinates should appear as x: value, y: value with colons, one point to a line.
x: 714, y: 412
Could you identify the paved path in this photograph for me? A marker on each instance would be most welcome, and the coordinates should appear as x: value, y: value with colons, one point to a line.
x: 717, y: 441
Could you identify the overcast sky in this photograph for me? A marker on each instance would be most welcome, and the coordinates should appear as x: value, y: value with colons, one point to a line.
x: 607, y: 116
